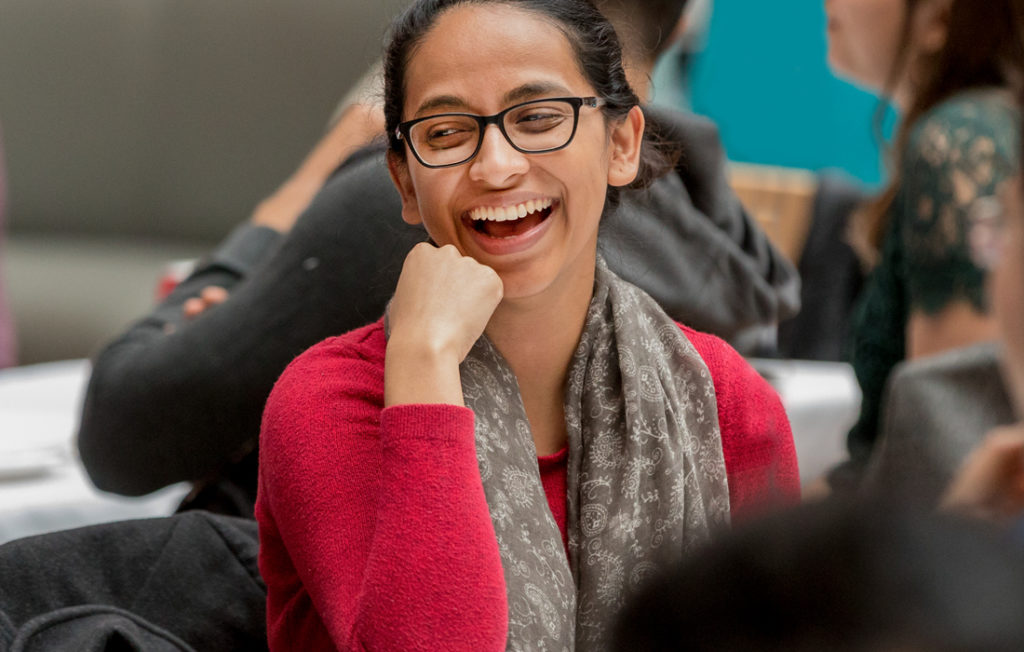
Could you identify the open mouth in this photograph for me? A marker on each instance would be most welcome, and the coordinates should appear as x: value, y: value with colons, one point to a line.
x: 510, y: 221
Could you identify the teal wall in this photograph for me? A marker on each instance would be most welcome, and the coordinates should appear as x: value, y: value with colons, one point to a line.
x: 763, y: 78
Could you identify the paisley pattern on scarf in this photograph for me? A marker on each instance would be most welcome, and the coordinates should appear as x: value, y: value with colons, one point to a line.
x: 646, y: 474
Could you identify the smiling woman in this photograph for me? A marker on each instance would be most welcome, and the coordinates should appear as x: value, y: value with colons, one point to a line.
x: 525, y: 437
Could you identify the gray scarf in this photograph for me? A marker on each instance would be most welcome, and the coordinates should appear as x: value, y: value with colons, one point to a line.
x: 646, y: 474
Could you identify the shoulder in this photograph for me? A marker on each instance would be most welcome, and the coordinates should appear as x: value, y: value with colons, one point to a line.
x: 680, y: 126
x: 728, y: 368
x: 978, y: 105
x: 361, y: 185
x: 359, y: 354
x: 981, y: 122
x: 339, y: 381
x: 745, y: 399
x: 757, y: 443
x: 695, y: 137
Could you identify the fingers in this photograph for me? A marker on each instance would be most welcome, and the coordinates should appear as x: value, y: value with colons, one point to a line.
x: 209, y: 296
x: 193, y: 308
x: 991, y: 481
x: 443, y: 300
x: 214, y: 295
x: 442, y: 305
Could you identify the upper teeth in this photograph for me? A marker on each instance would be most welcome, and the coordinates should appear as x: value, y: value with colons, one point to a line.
x: 505, y: 213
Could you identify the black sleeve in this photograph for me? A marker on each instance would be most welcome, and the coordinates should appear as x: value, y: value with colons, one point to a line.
x: 171, y: 400
x: 691, y: 245
x: 229, y: 263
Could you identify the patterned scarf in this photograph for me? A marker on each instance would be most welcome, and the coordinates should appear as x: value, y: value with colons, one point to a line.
x: 646, y: 474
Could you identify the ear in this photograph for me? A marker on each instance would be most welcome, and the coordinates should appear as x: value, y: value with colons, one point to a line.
x: 399, y: 170
x: 931, y: 25
x: 626, y: 139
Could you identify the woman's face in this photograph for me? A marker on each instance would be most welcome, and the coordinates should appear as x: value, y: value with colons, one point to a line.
x: 1006, y: 289
x: 482, y: 59
x: 863, y: 38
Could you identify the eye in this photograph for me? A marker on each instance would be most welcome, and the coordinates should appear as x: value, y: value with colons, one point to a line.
x: 445, y: 133
x: 540, y: 118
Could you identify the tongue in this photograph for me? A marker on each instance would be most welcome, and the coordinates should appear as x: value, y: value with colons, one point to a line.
x: 512, y: 227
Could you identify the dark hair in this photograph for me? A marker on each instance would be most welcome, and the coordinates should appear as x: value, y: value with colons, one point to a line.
x: 593, y: 40
x: 846, y: 578
x: 984, y: 47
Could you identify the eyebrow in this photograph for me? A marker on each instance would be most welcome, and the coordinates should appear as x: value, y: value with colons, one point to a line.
x: 518, y: 94
x: 536, y: 89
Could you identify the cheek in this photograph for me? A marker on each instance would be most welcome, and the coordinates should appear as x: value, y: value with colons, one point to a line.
x: 433, y: 192
x: 865, y: 42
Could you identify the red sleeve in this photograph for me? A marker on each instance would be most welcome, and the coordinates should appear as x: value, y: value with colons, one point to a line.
x: 760, y: 457
x: 374, y: 528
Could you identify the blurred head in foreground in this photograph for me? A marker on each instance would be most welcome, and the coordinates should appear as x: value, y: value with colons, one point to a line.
x: 828, y: 577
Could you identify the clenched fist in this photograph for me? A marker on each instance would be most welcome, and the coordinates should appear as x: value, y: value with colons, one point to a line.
x: 441, y: 307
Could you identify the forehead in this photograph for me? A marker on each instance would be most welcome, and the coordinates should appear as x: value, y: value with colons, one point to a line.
x: 478, y: 53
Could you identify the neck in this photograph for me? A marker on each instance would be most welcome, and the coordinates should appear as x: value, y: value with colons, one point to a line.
x: 902, y: 97
x: 538, y: 336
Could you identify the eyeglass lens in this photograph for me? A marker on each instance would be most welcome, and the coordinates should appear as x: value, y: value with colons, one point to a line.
x: 451, y: 138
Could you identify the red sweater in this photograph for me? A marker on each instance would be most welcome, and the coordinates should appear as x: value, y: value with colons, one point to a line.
x: 374, y: 529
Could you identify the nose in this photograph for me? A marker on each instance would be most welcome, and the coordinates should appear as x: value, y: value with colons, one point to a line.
x: 497, y: 163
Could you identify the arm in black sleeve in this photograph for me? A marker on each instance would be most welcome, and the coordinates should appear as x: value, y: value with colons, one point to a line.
x: 691, y: 245
x: 243, y: 250
x: 172, y: 400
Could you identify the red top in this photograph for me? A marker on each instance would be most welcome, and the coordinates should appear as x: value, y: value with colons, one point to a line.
x: 553, y: 471
x: 374, y: 529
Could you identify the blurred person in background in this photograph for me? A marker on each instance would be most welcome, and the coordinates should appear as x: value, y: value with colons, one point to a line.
x: 7, y: 347
x: 178, y: 396
x: 951, y: 68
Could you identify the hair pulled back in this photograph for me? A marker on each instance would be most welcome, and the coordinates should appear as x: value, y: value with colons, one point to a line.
x: 594, y: 43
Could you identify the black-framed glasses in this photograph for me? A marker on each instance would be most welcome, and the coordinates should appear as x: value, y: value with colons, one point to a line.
x: 534, y: 127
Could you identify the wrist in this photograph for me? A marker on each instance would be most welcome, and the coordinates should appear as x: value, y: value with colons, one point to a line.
x: 416, y: 372
x: 280, y: 210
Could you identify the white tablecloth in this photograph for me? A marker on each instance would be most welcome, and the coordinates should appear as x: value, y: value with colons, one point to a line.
x: 822, y: 400
x: 42, y: 484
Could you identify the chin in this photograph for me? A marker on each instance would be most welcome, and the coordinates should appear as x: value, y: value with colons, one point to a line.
x: 847, y: 74
x: 518, y: 285
x: 835, y: 64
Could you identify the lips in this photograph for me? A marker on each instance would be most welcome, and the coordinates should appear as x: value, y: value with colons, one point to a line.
x: 501, y: 231
x: 510, y: 221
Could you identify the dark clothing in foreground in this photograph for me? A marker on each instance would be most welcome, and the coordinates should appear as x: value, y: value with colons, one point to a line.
x: 174, y: 400
x: 189, y: 582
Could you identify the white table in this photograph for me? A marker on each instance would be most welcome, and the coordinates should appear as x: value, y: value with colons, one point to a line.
x: 42, y: 484
x: 822, y: 401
